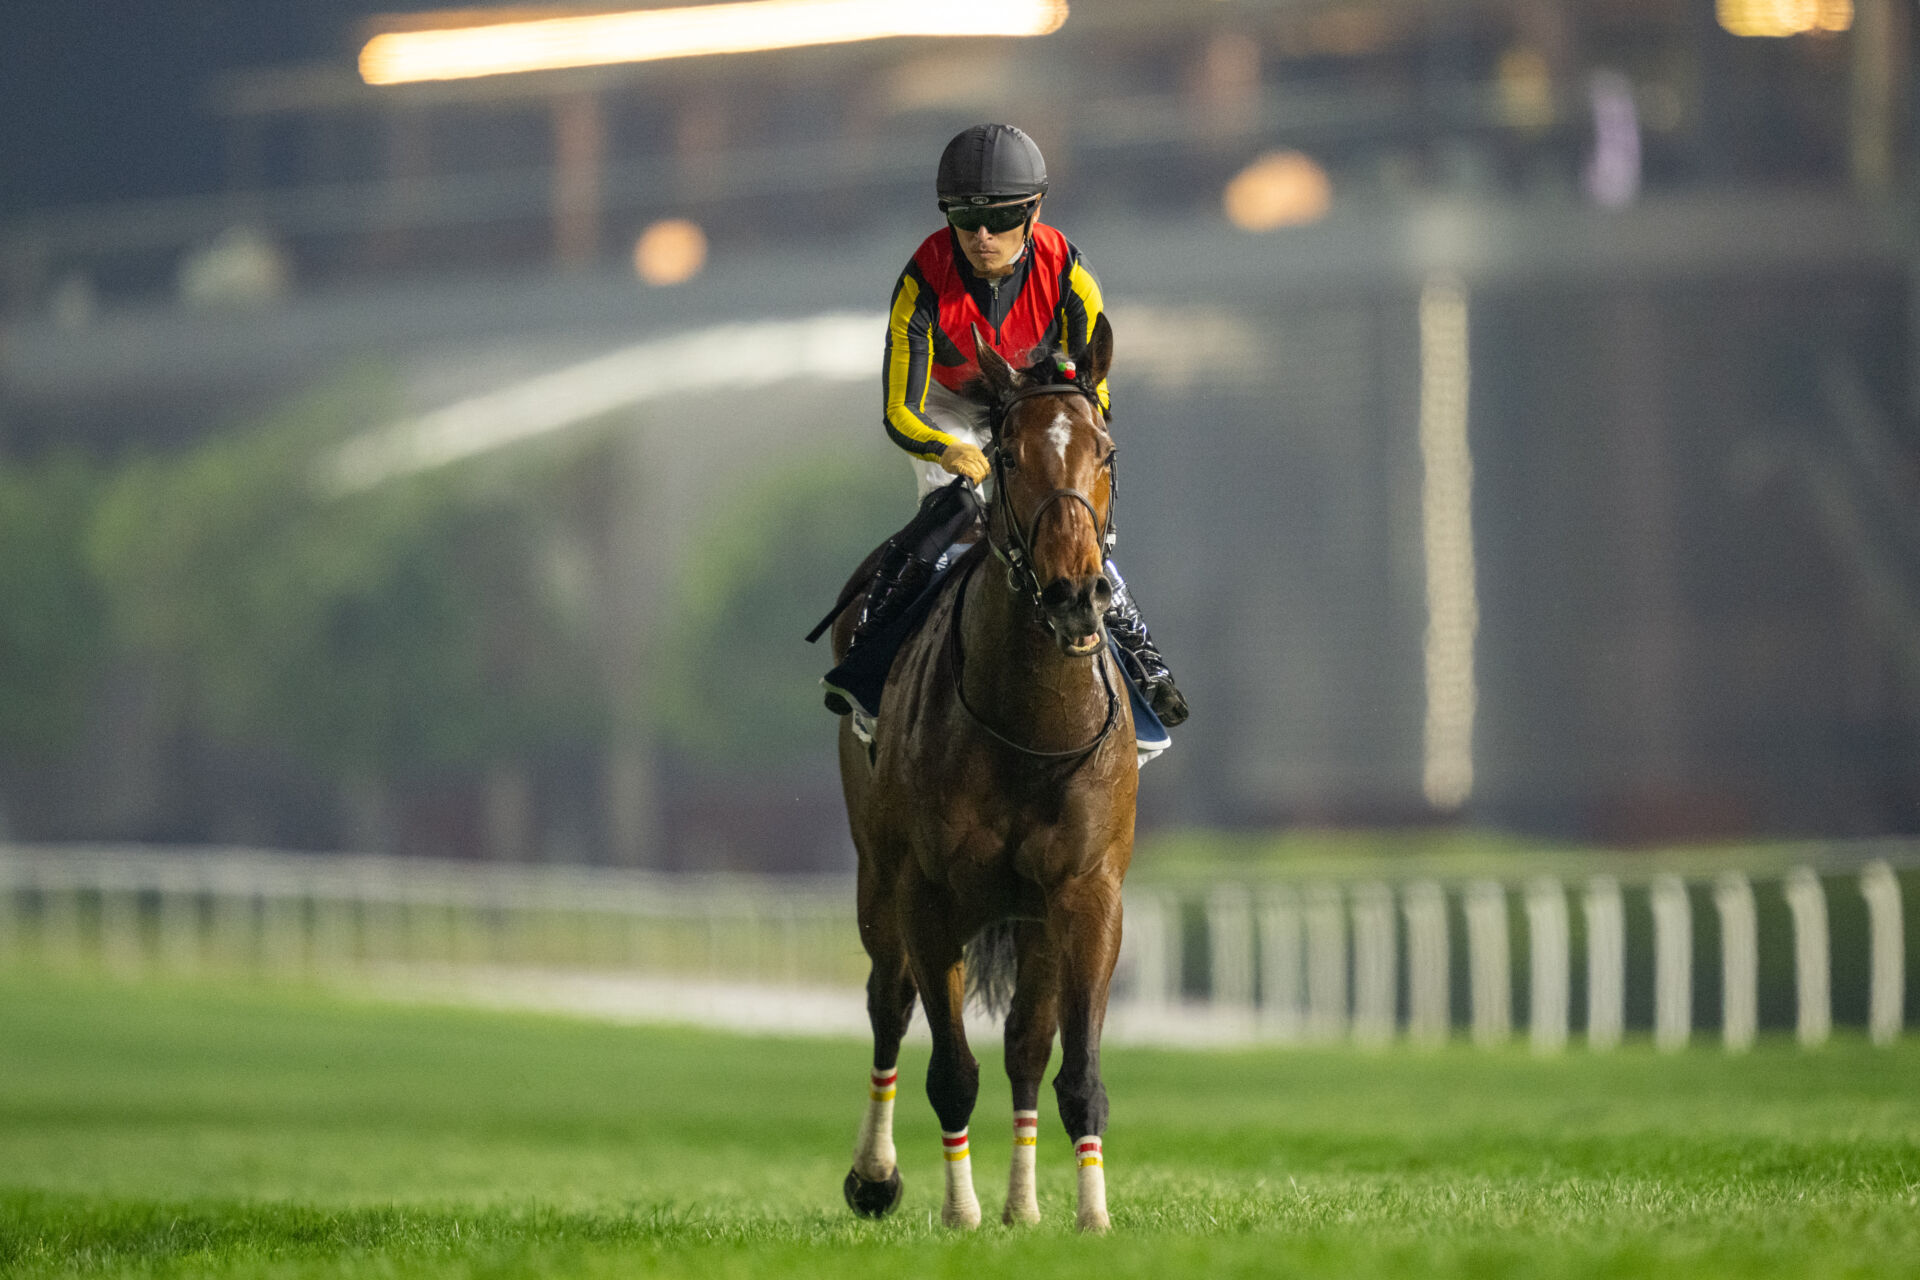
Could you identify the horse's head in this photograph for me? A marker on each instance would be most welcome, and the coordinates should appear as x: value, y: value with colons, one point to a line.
x: 1053, y: 478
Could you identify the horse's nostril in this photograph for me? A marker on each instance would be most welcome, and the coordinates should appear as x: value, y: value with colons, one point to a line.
x: 1057, y: 595
x: 1102, y: 593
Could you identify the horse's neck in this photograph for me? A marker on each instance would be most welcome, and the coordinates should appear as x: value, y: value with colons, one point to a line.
x: 1016, y: 675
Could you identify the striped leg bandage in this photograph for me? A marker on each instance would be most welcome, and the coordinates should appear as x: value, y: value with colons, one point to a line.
x: 1087, y: 1156
x: 873, y: 1153
x: 1023, y: 1202
x: 962, y: 1208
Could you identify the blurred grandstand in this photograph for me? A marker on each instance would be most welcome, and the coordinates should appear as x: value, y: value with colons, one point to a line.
x: 459, y: 479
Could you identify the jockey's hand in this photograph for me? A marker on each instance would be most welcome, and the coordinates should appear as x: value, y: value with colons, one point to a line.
x: 963, y: 459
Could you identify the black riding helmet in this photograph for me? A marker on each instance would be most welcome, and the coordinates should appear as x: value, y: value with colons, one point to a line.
x: 990, y: 164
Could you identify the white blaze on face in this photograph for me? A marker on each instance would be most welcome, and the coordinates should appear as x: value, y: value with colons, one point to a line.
x: 1060, y: 434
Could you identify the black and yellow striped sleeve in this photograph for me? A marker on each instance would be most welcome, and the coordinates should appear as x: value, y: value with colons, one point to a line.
x: 1081, y: 305
x: 909, y: 367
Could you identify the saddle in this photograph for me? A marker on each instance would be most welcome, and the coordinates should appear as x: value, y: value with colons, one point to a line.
x: 863, y: 674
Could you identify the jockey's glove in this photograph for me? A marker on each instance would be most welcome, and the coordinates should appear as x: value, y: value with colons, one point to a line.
x: 963, y: 459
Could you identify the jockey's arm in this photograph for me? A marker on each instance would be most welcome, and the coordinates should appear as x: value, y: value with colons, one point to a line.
x: 906, y: 376
x: 1080, y: 305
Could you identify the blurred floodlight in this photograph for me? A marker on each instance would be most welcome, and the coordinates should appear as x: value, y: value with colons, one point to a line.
x: 1280, y: 189
x: 671, y: 251
x: 595, y: 40
x: 1783, y: 17
x: 1612, y: 175
x: 1446, y: 503
x: 1526, y: 88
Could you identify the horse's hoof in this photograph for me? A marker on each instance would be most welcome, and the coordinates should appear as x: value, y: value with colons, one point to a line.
x: 1020, y: 1215
x: 873, y: 1199
x: 1093, y: 1224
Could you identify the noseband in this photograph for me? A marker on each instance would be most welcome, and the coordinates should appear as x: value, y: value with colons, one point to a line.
x: 1017, y: 555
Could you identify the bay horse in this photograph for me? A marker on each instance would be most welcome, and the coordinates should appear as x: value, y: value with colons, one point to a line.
x: 994, y: 812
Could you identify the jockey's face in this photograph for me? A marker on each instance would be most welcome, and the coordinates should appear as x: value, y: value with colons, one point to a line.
x: 992, y: 254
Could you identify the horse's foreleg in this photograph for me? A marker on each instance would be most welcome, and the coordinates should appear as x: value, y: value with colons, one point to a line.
x: 873, y: 1184
x: 1029, y: 1041
x: 1084, y: 923
x: 890, y: 995
x: 953, y: 1076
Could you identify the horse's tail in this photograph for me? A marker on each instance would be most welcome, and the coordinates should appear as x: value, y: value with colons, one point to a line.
x: 992, y: 968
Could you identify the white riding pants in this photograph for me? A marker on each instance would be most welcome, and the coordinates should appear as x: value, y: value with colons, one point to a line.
x: 960, y: 418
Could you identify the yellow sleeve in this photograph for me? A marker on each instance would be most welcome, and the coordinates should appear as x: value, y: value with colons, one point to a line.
x: 909, y: 369
x: 1081, y: 305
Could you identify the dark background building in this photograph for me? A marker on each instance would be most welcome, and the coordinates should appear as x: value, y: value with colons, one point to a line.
x: 1516, y: 402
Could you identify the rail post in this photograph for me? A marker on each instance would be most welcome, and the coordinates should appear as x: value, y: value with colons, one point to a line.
x: 1606, y: 963
x: 1489, y: 962
x: 1230, y: 950
x: 1326, y: 963
x: 1811, y: 956
x: 1283, y: 978
x: 1151, y: 934
x: 1429, y: 1018
x: 1887, y: 999
x: 1739, y: 961
x: 1374, y: 968
x: 1672, y: 964
x: 1548, y: 972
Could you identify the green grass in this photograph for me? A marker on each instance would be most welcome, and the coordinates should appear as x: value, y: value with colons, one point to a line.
x: 186, y: 1131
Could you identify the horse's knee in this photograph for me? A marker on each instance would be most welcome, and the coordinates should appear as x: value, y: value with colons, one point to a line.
x: 953, y: 1085
x: 1083, y: 1104
x: 890, y: 1000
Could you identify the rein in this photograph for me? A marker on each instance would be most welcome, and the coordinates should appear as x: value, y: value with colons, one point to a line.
x: 956, y: 660
x: 1017, y: 556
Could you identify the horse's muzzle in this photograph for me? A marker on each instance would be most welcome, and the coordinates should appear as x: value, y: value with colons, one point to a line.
x: 1075, y: 608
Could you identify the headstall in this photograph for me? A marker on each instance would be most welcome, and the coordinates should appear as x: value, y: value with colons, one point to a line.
x: 1017, y: 554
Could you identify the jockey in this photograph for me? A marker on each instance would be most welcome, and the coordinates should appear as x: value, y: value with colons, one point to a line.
x: 994, y: 265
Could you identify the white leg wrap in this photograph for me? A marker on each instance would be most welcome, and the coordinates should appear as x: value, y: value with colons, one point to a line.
x: 873, y: 1155
x: 1023, y: 1204
x: 962, y: 1208
x: 1093, y: 1185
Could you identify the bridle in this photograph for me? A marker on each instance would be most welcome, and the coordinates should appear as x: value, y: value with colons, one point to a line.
x: 1017, y: 556
x: 1017, y: 553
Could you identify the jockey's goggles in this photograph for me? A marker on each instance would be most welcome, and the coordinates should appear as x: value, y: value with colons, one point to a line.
x: 996, y: 218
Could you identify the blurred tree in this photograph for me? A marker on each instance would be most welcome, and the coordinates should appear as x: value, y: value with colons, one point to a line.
x: 411, y: 628
x: 741, y: 687
x: 53, y: 642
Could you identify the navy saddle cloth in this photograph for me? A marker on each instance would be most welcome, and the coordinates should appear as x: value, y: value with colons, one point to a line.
x: 864, y: 675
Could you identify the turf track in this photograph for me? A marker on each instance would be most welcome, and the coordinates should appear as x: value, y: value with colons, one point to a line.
x: 230, y: 1131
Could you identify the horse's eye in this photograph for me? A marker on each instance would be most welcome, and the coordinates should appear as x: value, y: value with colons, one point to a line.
x: 1009, y: 462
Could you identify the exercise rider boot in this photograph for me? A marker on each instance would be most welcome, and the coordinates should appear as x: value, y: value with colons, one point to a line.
x: 897, y: 583
x: 1125, y: 625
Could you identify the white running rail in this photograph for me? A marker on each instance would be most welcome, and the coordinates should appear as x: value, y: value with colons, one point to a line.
x: 1371, y: 959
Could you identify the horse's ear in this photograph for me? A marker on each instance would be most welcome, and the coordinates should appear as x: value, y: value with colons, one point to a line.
x: 999, y: 375
x: 1091, y: 365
